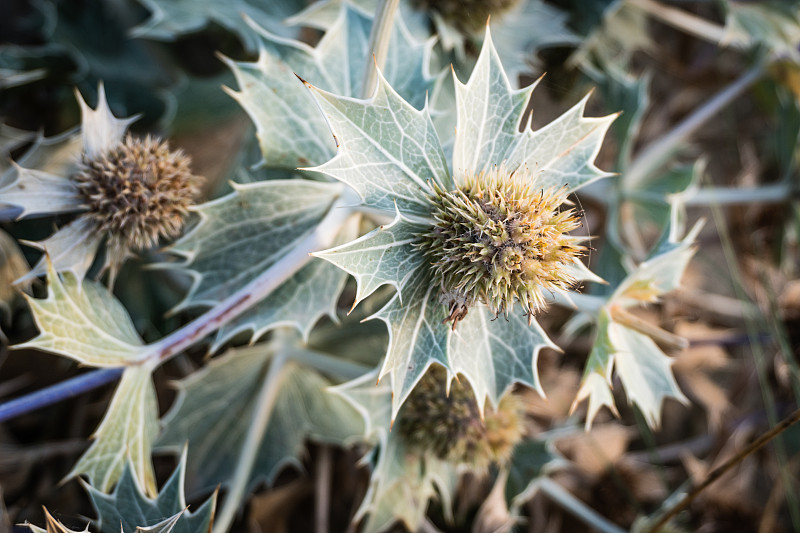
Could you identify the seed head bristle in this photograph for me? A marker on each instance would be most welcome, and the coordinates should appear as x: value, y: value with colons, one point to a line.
x: 498, y: 239
x: 137, y: 192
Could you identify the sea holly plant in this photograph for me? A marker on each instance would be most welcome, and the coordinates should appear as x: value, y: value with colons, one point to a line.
x: 476, y: 244
x: 130, y: 193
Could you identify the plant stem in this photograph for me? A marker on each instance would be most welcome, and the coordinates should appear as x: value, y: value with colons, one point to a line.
x: 322, y: 496
x: 664, y: 338
x: 658, y: 152
x: 379, y: 38
x: 682, y: 20
x: 765, y: 194
x: 58, y: 392
x: 258, y: 289
x: 577, y: 508
x: 264, y: 406
x: 718, y: 472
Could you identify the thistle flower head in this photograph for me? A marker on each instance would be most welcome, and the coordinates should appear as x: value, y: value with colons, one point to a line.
x: 136, y: 191
x: 450, y: 425
x: 468, y: 16
x: 498, y: 239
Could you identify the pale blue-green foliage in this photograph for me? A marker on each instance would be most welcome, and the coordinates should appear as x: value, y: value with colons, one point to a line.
x: 515, y: 41
x: 215, y: 409
x: 290, y: 129
x: 642, y: 366
x: 173, y: 18
x: 389, y: 152
x: 127, y: 508
x: 244, y: 233
x: 125, y: 435
x: 379, y: 258
x: 83, y: 321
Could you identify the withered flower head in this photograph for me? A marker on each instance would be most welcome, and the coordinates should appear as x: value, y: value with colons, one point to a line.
x: 450, y: 425
x: 468, y: 16
x: 137, y: 192
x: 498, y: 239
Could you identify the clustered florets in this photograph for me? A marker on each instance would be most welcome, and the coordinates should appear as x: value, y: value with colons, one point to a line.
x: 137, y: 192
x: 450, y: 426
x: 498, y: 239
x: 468, y: 16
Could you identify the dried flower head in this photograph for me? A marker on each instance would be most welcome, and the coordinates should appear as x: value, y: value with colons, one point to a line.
x: 125, y: 191
x: 137, y: 192
x: 468, y: 16
x: 450, y: 425
x: 498, y: 239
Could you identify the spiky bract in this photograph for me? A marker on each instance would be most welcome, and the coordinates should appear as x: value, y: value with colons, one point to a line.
x: 498, y: 239
x: 137, y: 192
x: 450, y: 425
x: 468, y: 16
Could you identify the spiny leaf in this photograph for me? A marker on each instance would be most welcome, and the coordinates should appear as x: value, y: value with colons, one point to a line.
x: 383, y: 256
x: 388, y: 150
x: 240, y: 235
x: 489, y: 115
x: 531, y: 460
x: 39, y: 193
x: 130, y: 508
x: 596, y: 382
x: 83, y: 321
x: 622, y: 31
x: 417, y: 335
x: 216, y: 404
x: 493, y: 357
x: 644, y: 369
x: 299, y: 302
x: 401, y: 486
x: 70, y: 249
x: 165, y: 526
x: 171, y: 19
x: 774, y: 25
x: 290, y: 129
x: 126, y: 434
x: 52, y: 525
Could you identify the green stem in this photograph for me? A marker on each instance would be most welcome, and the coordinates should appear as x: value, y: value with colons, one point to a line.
x: 264, y: 407
x: 577, y: 508
x: 379, y: 39
x: 658, y: 152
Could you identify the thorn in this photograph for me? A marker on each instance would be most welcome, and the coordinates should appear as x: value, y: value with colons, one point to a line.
x: 304, y: 81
